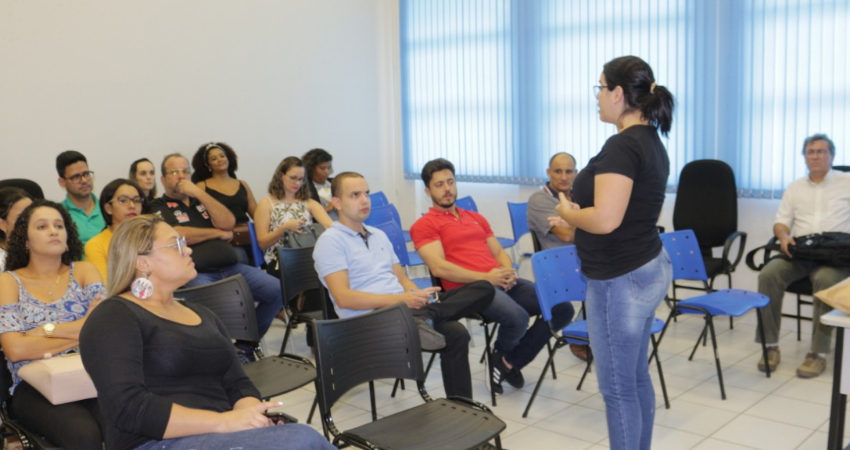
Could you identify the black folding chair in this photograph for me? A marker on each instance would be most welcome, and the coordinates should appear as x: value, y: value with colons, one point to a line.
x: 230, y: 299
x: 298, y: 279
x: 385, y: 344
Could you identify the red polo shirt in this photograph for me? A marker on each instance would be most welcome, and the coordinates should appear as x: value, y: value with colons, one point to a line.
x: 464, y: 239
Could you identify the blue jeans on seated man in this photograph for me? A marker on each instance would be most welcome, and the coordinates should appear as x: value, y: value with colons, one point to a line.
x: 620, y: 312
x: 264, y: 288
x: 292, y: 436
x: 512, y: 310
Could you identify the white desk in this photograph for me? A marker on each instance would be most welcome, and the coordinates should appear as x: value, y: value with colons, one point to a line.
x: 841, y: 378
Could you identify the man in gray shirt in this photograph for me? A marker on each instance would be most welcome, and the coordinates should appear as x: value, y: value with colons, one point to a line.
x: 562, y: 171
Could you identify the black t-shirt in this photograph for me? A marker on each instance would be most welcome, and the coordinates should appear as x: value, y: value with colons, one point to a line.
x: 208, y: 255
x: 637, y: 153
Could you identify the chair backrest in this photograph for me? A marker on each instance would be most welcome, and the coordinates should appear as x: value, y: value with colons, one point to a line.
x: 383, y: 214
x: 380, y: 344
x: 298, y: 274
x: 707, y: 202
x: 557, y: 278
x: 685, y: 255
x: 519, y: 219
x: 256, y: 251
x: 230, y: 299
x: 379, y: 199
x: 31, y: 187
x: 393, y: 232
x: 536, y: 242
x: 842, y: 168
x: 466, y: 203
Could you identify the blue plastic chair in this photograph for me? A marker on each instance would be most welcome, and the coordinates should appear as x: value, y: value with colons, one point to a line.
x: 386, y: 213
x: 558, y: 279
x: 405, y: 257
x: 256, y: 252
x: 379, y: 199
x: 519, y: 225
x: 688, y: 264
x: 468, y: 204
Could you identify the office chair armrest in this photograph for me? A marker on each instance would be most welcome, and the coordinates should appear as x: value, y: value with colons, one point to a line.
x: 470, y: 402
x: 727, y: 247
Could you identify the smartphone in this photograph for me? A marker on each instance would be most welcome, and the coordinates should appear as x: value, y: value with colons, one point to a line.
x: 280, y: 417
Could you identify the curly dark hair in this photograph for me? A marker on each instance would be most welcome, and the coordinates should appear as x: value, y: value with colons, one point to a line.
x: 201, y: 167
x: 19, y: 255
x: 312, y: 159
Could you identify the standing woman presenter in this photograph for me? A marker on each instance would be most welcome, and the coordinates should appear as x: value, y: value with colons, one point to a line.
x: 618, y: 199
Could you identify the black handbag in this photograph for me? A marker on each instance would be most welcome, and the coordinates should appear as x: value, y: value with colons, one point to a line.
x: 831, y: 248
x: 306, y: 238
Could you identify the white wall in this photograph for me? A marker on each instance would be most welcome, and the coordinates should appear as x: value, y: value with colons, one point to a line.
x: 121, y: 80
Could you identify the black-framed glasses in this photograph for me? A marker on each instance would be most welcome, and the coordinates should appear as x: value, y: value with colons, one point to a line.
x: 180, y: 244
x: 598, y: 88
x: 79, y: 177
x: 124, y: 200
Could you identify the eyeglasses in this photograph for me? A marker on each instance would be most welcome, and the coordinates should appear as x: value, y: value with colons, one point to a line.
x: 819, y: 152
x: 296, y: 179
x: 123, y: 200
x: 79, y: 177
x: 180, y: 244
x: 174, y: 172
x: 598, y: 88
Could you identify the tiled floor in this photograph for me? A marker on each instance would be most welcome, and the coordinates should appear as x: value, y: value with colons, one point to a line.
x: 782, y: 412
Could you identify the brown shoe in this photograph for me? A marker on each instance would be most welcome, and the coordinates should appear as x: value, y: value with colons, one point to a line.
x: 773, y: 357
x: 579, y: 351
x: 813, y: 366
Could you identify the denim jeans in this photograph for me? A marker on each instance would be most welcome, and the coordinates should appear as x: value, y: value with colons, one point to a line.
x: 291, y: 436
x: 264, y: 288
x: 620, y: 312
x: 511, y: 310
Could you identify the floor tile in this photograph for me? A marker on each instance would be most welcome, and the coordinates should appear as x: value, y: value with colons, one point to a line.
x: 693, y: 418
x: 791, y: 411
x: 762, y: 434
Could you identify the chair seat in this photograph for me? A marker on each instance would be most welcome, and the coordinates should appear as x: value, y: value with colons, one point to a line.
x: 276, y: 375
x: 576, y: 332
x: 415, y: 259
x: 406, y: 235
x: 802, y: 286
x: 422, y: 283
x: 506, y: 242
x: 657, y: 326
x: 451, y: 425
x: 728, y: 302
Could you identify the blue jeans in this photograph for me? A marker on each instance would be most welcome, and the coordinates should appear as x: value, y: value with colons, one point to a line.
x: 511, y: 310
x: 264, y: 288
x: 620, y: 312
x: 291, y: 436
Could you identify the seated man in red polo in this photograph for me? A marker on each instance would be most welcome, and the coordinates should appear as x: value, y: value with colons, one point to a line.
x: 459, y: 247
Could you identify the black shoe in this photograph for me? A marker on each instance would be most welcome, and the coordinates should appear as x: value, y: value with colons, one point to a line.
x: 498, y: 372
x: 515, y: 378
x: 429, y: 339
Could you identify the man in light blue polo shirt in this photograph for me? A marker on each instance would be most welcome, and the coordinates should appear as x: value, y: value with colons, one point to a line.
x: 361, y: 271
x: 80, y: 201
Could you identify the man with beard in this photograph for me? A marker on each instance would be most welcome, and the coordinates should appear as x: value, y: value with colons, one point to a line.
x: 80, y: 202
x: 459, y: 247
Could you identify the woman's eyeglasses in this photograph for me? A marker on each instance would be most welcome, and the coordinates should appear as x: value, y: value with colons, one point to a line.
x: 180, y: 244
x: 124, y: 200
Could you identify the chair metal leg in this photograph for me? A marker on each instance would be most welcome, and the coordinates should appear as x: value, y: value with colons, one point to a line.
x: 372, y: 400
x: 702, y: 337
x: 716, y: 356
x: 586, y: 369
x: 488, y: 339
x: 799, y: 318
x: 763, y: 345
x: 313, y: 409
x: 539, y: 381
x: 660, y: 372
x: 398, y: 381
x: 549, y: 347
x: 286, y: 336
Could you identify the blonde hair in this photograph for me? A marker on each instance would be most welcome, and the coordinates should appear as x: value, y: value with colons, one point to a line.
x: 132, y: 238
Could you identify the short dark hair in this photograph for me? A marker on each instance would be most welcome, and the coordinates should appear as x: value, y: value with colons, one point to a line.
x: 201, y: 167
x: 276, y: 184
x: 17, y: 245
x: 167, y: 157
x: 8, y: 197
x: 109, y: 191
x: 336, y: 183
x: 313, y: 158
x: 435, y: 165
x: 819, y: 137
x: 134, y: 169
x: 562, y: 153
x: 635, y: 76
x: 67, y: 158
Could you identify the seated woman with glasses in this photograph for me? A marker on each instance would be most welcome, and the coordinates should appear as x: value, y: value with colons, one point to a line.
x: 120, y: 200
x: 215, y: 167
x: 166, y: 373
x: 288, y: 207
x: 45, y: 297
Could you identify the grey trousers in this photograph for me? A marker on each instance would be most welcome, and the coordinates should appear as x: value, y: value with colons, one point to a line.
x: 776, y: 276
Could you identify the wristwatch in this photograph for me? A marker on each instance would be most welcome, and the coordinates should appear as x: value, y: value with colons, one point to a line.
x: 48, y: 329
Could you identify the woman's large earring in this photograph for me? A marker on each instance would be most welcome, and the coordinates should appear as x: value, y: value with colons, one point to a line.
x: 142, y: 287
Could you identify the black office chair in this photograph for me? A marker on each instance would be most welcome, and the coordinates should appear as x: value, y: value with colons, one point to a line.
x: 385, y: 344
x: 31, y: 187
x: 230, y: 299
x: 9, y: 426
x: 707, y: 203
